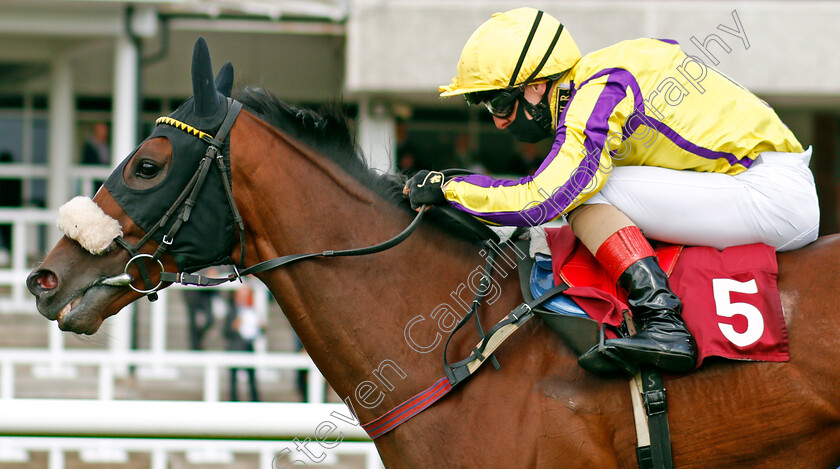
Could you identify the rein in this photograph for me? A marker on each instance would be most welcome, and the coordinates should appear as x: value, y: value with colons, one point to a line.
x: 202, y: 281
x: 186, y: 201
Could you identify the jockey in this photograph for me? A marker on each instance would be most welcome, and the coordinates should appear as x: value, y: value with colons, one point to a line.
x: 645, y: 138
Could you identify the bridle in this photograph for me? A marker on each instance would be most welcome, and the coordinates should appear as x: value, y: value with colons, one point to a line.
x: 186, y: 201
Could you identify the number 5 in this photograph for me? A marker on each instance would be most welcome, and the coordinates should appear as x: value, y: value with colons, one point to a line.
x: 722, y: 287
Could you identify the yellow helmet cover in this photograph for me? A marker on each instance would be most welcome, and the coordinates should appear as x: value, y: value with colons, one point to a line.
x: 491, y: 54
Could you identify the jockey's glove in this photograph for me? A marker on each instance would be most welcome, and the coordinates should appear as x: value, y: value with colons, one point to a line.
x: 426, y: 187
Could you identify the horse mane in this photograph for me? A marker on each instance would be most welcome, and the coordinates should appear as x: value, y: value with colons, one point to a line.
x: 328, y: 132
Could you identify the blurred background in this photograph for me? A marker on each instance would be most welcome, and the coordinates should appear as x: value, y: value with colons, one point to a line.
x: 81, y: 83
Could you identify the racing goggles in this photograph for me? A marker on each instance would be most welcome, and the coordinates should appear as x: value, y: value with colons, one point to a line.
x: 499, y: 103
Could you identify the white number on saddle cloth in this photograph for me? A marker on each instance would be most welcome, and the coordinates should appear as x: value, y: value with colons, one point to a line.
x: 722, y: 288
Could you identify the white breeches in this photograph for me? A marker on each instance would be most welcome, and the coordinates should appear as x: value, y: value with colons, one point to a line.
x: 774, y: 202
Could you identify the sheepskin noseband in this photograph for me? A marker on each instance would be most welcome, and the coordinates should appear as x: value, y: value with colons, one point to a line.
x: 84, y: 222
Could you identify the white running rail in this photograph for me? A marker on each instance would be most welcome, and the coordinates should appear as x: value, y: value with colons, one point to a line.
x: 109, y: 452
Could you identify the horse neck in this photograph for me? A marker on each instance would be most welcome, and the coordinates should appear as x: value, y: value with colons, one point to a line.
x: 349, y: 313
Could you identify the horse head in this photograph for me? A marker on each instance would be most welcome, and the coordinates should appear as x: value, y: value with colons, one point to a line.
x: 167, y: 207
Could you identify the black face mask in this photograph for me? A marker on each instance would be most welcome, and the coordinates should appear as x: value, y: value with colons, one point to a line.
x: 531, y: 130
x: 208, y: 236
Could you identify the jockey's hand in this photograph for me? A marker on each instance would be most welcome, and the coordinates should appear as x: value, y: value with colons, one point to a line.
x: 425, y: 187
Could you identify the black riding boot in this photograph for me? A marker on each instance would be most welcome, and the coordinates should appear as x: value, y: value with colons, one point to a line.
x: 663, y: 339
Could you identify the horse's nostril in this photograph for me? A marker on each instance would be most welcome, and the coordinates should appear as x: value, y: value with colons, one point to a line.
x: 48, y: 281
x: 42, y: 280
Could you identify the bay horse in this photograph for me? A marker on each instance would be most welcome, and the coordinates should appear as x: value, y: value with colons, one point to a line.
x: 300, y: 186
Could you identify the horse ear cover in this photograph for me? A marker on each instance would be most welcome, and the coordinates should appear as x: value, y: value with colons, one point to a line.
x: 204, y: 88
x: 224, y: 80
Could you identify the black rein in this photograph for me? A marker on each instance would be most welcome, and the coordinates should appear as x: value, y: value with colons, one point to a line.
x: 202, y: 281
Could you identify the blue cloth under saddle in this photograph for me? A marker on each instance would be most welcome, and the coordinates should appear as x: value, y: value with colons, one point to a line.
x: 542, y: 280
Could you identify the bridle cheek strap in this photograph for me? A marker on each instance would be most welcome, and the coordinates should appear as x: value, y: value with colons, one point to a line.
x: 214, y: 152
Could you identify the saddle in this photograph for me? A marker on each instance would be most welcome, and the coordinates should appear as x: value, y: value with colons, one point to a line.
x: 730, y: 300
x: 731, y: 303
x: 560, y: 313
x: 577, y: 268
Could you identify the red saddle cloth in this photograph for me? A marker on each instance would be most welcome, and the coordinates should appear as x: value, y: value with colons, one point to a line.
x: 730, y: 300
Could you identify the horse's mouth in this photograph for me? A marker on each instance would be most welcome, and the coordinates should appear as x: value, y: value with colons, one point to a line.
x: 68, y: 309
x: 78, y: 315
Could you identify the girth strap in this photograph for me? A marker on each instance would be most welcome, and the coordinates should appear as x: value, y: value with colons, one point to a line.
x: 399, y: 414
x: 463, y: 369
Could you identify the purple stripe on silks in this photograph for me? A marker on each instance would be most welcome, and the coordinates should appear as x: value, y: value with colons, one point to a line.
x: 669, y: 41
x: 500, y: 218
x: 596, y: 131
x: 702, y: 152
x: 481, y: 180
x: 523, y: 217
x: 633, y: 122
x: 627, y: 80
x: 637, y: 119
x: 413, y: 406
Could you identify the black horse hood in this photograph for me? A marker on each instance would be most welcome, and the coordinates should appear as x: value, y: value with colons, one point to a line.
x: 207, y: 237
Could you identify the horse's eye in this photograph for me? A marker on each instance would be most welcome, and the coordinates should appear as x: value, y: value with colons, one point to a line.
x: 147, y: 169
